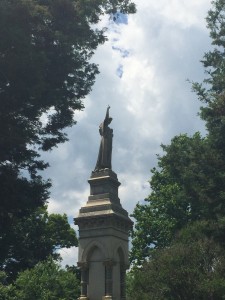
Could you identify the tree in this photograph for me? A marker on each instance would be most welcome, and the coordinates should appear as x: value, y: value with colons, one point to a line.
x: 35, y: 237
x: 178, y: 241
x: 47, y: 280
x: 45, y: 72
x: 193, y: 267
x: 188, y: 184
x: 180, y: 194
x: 4, y: 289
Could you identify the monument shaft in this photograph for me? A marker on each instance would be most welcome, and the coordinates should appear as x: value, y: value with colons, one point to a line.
x: 103, y: 237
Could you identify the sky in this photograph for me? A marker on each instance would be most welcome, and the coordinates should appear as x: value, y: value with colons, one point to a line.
x: 144, y: 70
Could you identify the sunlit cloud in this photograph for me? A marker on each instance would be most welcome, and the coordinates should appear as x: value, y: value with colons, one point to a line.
x: 150, y: 100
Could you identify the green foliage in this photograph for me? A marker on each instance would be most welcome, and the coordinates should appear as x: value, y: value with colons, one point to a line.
x: 45, y: 73
x: 212, y: 90
x: 188, y: 184
x: 178, y: 241
x: 4, y: 289
x: 193, y: 267
x: 33, y: 238
x: 46, y: 281
x: 186, y: 187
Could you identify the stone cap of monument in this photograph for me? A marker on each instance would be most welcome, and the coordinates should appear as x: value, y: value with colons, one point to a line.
x: 103, y: 200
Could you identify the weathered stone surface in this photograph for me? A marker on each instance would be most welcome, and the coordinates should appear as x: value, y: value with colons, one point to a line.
x: 103, y: 239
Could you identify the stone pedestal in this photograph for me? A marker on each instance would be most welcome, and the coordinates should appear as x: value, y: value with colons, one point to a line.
x: 103, y: 240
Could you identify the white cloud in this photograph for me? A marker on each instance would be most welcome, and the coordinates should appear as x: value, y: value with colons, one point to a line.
x: 150, y: 104
x: 179, y: 12
x: 69, y: 256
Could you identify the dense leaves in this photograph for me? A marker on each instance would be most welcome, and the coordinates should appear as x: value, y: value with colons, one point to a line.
x: 178, y: 240
x: 45, y: 281
x: 35, y: 237
x: 45, y: 66
x: 45, y: 72
x: 181, y: 193
x: 193, y: 267
x: 188, y: 184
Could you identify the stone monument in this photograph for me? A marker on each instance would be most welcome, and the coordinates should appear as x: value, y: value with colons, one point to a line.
x: 103, y: 229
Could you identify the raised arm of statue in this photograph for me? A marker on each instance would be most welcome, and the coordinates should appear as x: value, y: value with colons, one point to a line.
x: 105, y: 149
x: 107, y: 113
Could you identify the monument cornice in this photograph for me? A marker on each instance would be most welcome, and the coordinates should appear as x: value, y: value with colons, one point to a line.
x: 112, y: 220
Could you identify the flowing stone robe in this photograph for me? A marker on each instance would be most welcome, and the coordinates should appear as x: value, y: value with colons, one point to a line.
x: 105, y: 150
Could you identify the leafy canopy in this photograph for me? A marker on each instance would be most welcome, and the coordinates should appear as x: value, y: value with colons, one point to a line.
x: 178, y: 241
x: 188, y: 184
x: 47, y: 280
x: 193, y: 267
x: 45, y: 73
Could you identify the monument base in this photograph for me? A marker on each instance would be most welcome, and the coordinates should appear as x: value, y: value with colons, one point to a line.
x: 107, y: 298
x: 83, y: 298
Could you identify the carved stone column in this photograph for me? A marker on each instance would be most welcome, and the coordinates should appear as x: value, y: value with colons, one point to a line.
x: 108, y: 279
x: 84, y: 280
x: 123, y: 281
